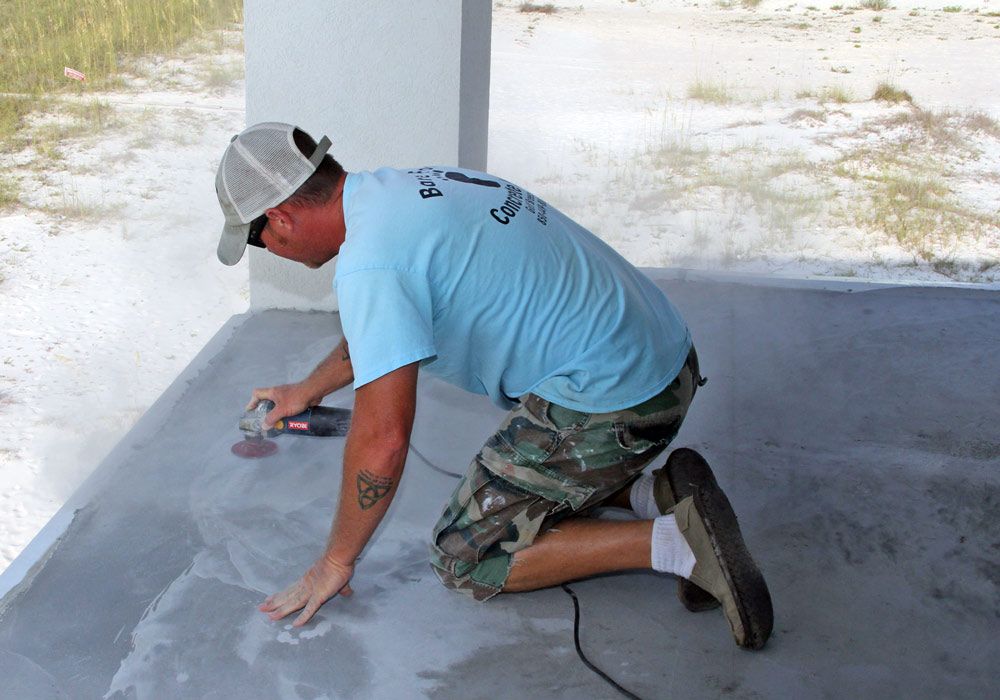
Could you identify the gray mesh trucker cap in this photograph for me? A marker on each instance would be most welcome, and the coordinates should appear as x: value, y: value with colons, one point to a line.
x: 261, y: 168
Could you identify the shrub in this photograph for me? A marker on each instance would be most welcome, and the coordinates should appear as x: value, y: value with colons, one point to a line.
x: 715, y: 93
x: 547, y: 9
x: 890, y: 93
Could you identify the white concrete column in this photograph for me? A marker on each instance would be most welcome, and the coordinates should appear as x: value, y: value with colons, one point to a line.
x: 391, y: 83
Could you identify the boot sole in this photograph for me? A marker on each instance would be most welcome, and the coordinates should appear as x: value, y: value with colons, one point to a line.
x: 686, y: 470
x: 753, y: 600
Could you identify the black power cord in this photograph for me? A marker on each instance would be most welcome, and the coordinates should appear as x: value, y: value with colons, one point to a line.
x: 583, y: 657
x: 576, y: 603
x: 432, y: 465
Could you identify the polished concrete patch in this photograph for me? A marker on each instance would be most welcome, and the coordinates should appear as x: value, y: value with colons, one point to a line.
x: 856, y: 434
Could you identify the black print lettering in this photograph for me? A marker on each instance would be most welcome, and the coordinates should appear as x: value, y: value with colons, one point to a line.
x: 462, y: 177
x: 510, y: 206
x: 425, y: 178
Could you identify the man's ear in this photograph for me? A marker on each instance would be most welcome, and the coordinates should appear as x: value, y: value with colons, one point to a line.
x: 278, y: 218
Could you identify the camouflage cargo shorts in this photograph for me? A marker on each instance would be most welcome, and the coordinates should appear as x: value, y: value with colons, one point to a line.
x: 546, y: 463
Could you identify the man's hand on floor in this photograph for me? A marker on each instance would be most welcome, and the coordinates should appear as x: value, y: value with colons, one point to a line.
x: 324, y: 580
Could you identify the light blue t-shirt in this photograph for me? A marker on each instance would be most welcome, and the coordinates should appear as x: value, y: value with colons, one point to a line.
x: 497, y: 292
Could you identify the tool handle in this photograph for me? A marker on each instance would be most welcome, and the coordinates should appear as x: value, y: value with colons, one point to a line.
x: 320, y: 421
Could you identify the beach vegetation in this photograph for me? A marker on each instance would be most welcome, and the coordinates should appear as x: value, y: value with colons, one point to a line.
x: 14, y: 109
x: 800, y: 114
x: 98, y: 38
x: 877, y: 5
x: 887, y: 92
x: 835, y: 93
x: 9, y: 191
x: 707, y: 91
x: 980, y: 121
x: 546, y: 9
x: 42, y: 37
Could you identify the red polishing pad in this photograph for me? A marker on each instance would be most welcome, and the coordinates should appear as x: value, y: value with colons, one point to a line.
x: 254, y: 448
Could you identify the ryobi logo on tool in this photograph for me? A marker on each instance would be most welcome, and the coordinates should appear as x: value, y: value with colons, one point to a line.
x: 298, y: 425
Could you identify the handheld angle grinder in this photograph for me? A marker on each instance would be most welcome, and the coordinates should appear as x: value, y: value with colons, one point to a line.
x: 318, y: 421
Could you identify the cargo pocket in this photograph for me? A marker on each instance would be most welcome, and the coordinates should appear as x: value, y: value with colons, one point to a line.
x: 641, y: 436
x: 531, y: 475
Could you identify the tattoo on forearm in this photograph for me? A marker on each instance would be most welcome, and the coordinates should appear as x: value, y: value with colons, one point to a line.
x: 345, y: 353
x: 372, y: 488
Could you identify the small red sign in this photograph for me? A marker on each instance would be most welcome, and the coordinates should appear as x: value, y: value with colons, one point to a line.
x: 74, y: 74
x: 298, y: 425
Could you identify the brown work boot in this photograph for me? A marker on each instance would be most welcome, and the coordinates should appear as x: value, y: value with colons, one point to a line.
x: 724, y: 567
x: 676, y: 480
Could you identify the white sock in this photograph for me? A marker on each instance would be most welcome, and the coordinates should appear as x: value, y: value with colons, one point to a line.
x: 670, y: 552
x: 641, y: 499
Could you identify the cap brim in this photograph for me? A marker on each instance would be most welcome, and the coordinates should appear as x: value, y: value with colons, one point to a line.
x: 232, y: 243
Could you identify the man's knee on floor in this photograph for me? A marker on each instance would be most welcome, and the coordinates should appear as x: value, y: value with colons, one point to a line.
x: 480, y: 580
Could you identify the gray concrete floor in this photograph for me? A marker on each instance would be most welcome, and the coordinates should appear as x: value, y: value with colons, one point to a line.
x: 856, y: 434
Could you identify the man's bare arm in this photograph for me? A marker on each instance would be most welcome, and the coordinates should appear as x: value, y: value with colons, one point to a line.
x: 373, y: 460
x: 373, y: 464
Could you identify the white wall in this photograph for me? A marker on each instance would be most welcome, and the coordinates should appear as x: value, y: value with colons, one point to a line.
x: 391, y: 83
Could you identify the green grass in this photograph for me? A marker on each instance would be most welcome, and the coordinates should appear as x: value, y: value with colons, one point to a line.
x: 936, y: 129
x: 72, y: 207
x: 979, y: 121
x: 890, y: 93
x: 9, y: 191
x: 905, y: 195
x: 877, y: 5
x: 13, y: 111
x: 837, y: 94
x: 716, y: 93
x: 62, y: 118
x: 40, y: 37
x: 750, y: 4
x: 800, y: 114
x: 915, y: 211
x: 747, y: 180
x: 951, y: 8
